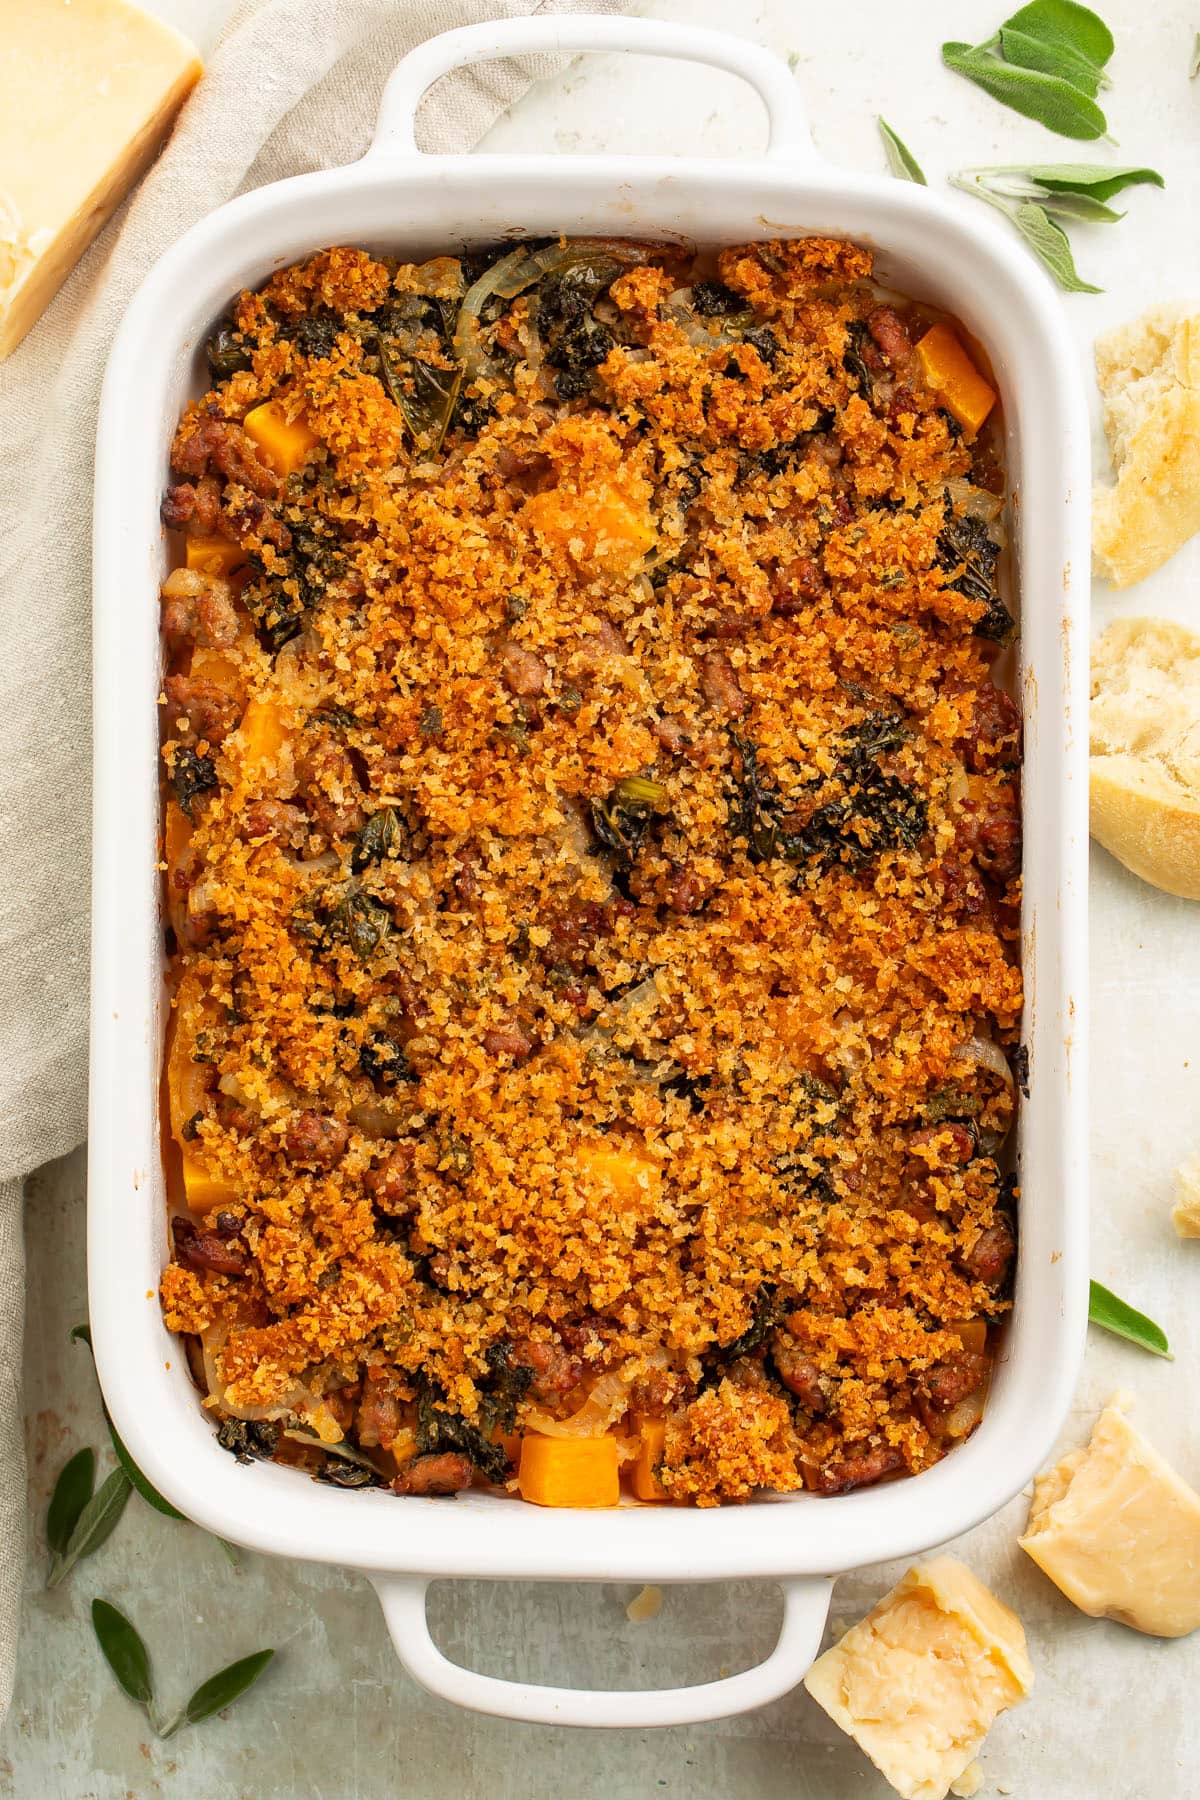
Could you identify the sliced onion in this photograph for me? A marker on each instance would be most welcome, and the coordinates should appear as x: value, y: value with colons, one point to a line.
x: 973, y: 502
x: 376, y: 1120
x: 608, y: 1400
x: 986, y: 1055
x: 520, y: 269
x: 324, y: 864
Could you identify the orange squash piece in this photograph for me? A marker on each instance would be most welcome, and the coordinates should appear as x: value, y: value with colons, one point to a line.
x: 214, y: 555
x: 620, y: 1173
x: 653, y: 1435
x: 951, y: 373
x: 580, y: 1471
x: 263, y: 735
x: 201, y: 1189
x: 286, y: 443
x: 972, y: 1334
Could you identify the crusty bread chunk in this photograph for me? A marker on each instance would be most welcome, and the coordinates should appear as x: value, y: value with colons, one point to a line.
x: 1149, y: 376
x: 1145, y: 743
x: 1186, y: 1211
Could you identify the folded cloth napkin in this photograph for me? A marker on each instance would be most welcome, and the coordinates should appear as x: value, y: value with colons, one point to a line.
x: 293, y: 85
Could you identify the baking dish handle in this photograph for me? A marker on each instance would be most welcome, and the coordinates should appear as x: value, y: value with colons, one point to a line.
x: 569, y: 35
x: 805, y: 1605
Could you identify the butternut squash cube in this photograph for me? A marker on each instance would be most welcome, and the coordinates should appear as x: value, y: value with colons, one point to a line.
x: 581, y: 1471
x: 620, y: 1173
x: 284, y: 442
x: 203, y: 1190
x: 951, y: 373
x: 263, y: 735
x: 214, y: 555
x: 646, y: 1485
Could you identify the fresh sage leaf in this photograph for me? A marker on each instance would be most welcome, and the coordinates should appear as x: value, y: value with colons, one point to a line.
x: 1050, y: 244
x: 1111, y: 1313
x: 82, y: 1334
x: 901, y: 160
x: 72, y: 1491
x: 1051, y: 59
x: 124, y: 1651
x: 221, y: 1690
x: 95, y: 1524
x: 1074, y: 28
x: 1097, y: 179
x: 1084, y: 207
x: 1049, y: 99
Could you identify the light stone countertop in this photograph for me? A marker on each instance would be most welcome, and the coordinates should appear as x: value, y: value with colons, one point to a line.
x: 1112, y: 1712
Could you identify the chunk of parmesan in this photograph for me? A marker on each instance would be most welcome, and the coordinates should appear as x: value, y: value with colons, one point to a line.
x: 1186, y: 1212
x: 88, y: 91
x: 1118, y: 1531
x: 921, y: 1680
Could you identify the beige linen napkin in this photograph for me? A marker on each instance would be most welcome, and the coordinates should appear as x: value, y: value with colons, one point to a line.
x: 293, y: 85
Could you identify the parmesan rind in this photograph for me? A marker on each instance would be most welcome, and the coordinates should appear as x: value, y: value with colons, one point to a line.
x: 921, y: 1680
x: 1118, y: 1531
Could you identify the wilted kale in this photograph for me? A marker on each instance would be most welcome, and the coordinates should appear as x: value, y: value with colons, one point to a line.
x: 573, y: 340
x: 508, y: 1384
x: 361, y: 921
x: 337, y: 1473
x: 191, y: 774
x: 381, y: 839
x: 226, y: 354
x: 712, y: 299
x: 249, y: 1440
x: 763, y: 339
x: 622, y: 819
x: 1019, y: 1060
x: 316, y: 334
x: 867, y: 812
x: 966, y: 541
x: 382, y: 1060
x: 766, y: 1312
x: 439, y: 1432
x: 853, y: 359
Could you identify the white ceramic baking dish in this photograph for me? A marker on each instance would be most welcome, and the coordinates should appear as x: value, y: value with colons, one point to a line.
x: 399, y: 200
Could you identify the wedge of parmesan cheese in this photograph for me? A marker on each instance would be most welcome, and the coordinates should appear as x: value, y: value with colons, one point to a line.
x: 88, y: 91
x: 1118, y: 1531
x: 921, y: 1680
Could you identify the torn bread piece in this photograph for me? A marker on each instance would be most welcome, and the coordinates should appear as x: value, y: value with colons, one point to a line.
x: 1149, y: 377
x: 1186, y: 1211
x: 921, y: 1680
x: 1118, y: 1531
x: 1144, y: 773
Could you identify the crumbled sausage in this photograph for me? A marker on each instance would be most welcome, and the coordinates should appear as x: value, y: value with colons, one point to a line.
x: 315, y: 1138
x: 377, y: 1422
x: 990, y: 1256
x: 278, y: 819
x: 989, y: 829
x: 946, y: 1383
x: 394, y: 1183
x: 215, y: 444
x: 448, y: 1473
x: 522, y: 673
x: 992, y: 739
x: 795, y: 585
x: 508, y: 1040
x: 331, y: 789
x: 719, y: 684
x: 206, y: 1250
x: 198, y: 609
x: 857, y: 1470
x: 686, y: 890
x: 555, y: 1370
x: 944, y: 1146
x: 798, y: 1373
x: 210, y: 711
x: 192, y: 503
x: 890, y: 333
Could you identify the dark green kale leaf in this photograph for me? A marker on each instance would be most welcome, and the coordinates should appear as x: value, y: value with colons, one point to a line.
x: 382, y: 839
x: 191, y: 775
x: 964, y: 544
x: 439, y: 1431
x: 622, y: 819
x: 249, y: 1440
x: 361, y: 921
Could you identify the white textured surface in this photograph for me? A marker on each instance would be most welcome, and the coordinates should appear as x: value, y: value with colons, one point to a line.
x: 1112, y: 1712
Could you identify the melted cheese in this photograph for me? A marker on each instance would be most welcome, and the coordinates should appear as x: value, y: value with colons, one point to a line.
x: 1118, y: 1531
x: 88, y: 90
x: 920, y: 1681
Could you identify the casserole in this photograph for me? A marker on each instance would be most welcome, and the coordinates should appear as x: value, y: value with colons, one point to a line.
x: 924, y: 248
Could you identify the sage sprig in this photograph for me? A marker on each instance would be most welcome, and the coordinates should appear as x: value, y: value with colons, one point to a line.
x: 1038, y: 196
x: 72, y: 1491
x: 94, y: 1524
x: 125, y: 1652
x: 901, y: 160
x: 1046, y: 62
x: 1111, y: 1313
